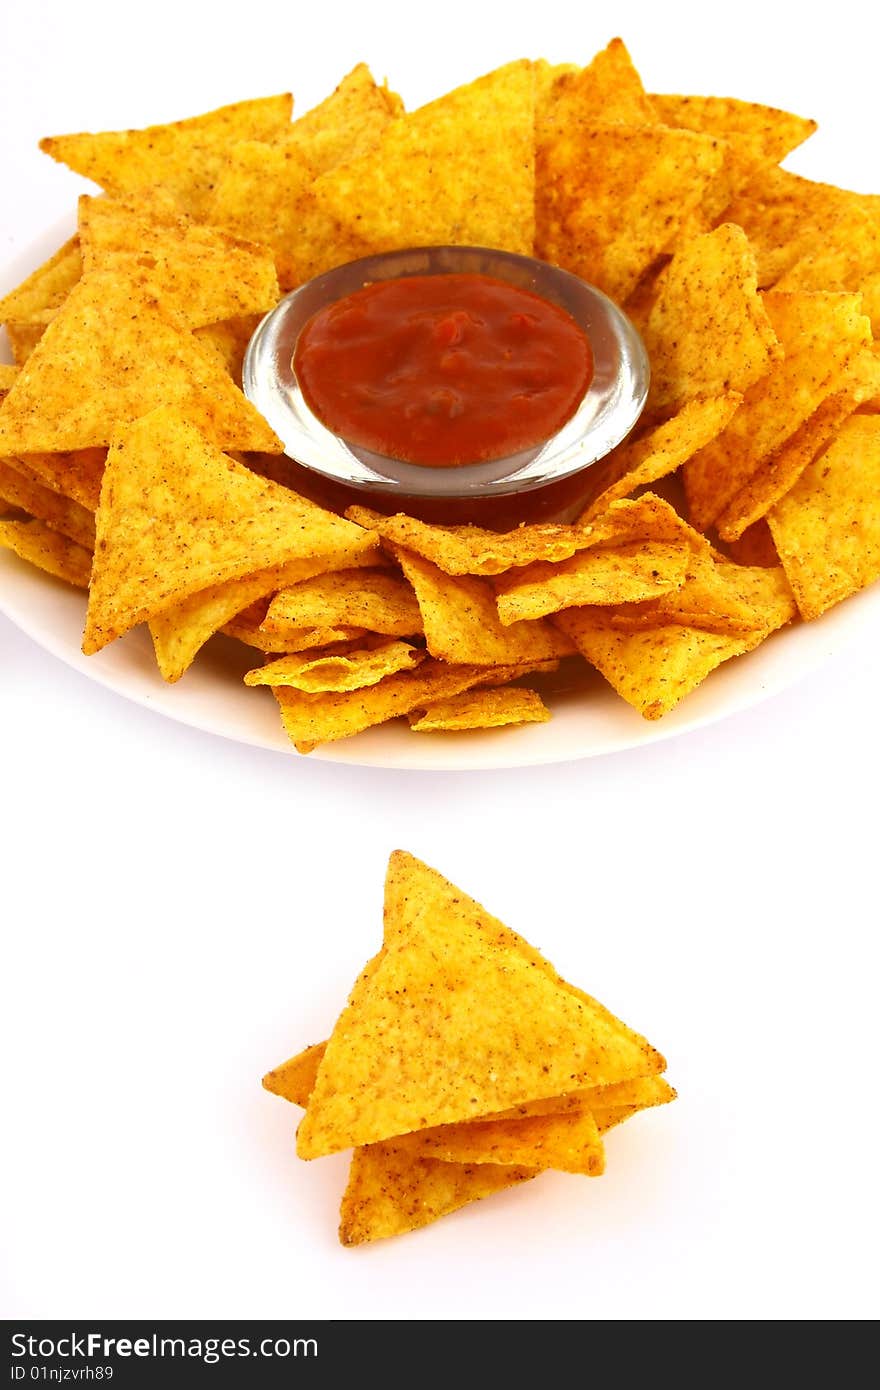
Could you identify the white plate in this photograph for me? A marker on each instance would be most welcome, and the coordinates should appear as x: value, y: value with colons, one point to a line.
x: 211, y: 696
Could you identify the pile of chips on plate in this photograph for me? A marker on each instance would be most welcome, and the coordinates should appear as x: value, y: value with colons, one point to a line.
x: 132, y: 465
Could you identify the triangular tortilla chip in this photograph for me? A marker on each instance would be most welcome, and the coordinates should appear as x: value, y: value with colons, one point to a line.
x: 608, y: 90
x: 821, y: 334
x: 461, y: 622
x: 827, y: 528
x: 655, y: 668
x: 177, y: 517
x: 351, y: 666
x: 652, y: 456
x: 391, y: 1191
x: 459, y: 171
x: 481, y: 709
x: 455, y: 1022
x: 347, y: 123
x: 184, y: 157
x: 111, y: 355
x: 631, y: 573
x: 48, y: 550
x: 615, y: 197
x: 75, y: 474
x: 708, y: 332
x: 38, y: 298
x: 569, y: 1143
x: 377, y: 600
x: 58, y: 512
x: 310, y: 719
x: 768, y: 133
x: 200, y: 273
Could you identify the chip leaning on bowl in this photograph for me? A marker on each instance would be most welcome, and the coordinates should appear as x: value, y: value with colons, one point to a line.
x: 132, y: 465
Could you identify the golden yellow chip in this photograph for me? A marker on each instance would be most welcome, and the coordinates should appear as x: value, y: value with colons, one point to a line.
x: 653, y: 669
x: 827, y: 528
x: 229, y: 339
x: 58, y: 512
x: 708, y: 331
x: 481, y: 709
x: 790, y: 219
x: 48, y: 550
x: 768, y: 133
x: 452, y: 1023
x: 652, y: 456
x: 8, y: 373
x: 615, y: 197
x: 247, y: 627
x: 821, y: 334
x: 373, y: 599
x: 459, y: 171
x: 180, y: 631
x: 347, y: 123
x: 110, y: 355
x: 779, y: 473
x: 199, y: 273
x: 472, y: 549
x: 183, y: 157
x: 568, y: 1143
x: 341, y: 668
x: 23, y: 338
x: 76, y: 474
x: 602, y: 575
x: 390, y: 1191
x: 608, y: 90
x: 310, y: 719
x: 38, y: 298
x: 717, y: 596
x: 461, y: 622
x: 177, y: 516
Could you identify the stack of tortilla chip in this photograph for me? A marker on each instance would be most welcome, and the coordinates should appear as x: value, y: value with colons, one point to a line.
x: 132, y: 464
x: 461, y: 1065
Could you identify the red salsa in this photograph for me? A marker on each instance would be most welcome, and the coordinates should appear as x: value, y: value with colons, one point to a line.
x: 443, y: 370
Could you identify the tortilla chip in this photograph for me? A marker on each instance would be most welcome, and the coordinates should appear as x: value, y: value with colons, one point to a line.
x: 453, y: 1022
x: 390, y: 1191
x: 177, y: 517
x: 373, y: 599
x: 199, y: 273
x: 263, y: 193
x: 821, y: 334
x: 827, y: 528
x: 790, y: 219
x: 609, y: 90
x: 644, y: 460
x: 48, y: 550
x: 569, y: 1143
x: 350, y: 668
x: 8, y: 373
x: 708, y: 332
x: 38, y: 298
x: 294, y: 1080
x: 481, y: 709
x: 346, y: 124
x: 614, y: 198
x: 59, y: 513
x: 459, y: 171
x: 110, y: 355
x: 652, y: 669
x: 717, y: 596
x: 247, y: 627
x: 310, y: 719
x: 781, y: 470
x: 471, y: 549
x: 229, y: 339
x: 601, y: 575
x: 754, y: 547
x: 461, y: 621
x: 183, y: 157
x: 768, y: 133
x: 179, y: 632
x: 76, y: 474
x: 23, y: 338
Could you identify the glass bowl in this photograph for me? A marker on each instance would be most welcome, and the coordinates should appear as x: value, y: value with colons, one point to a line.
x: 538, y: 482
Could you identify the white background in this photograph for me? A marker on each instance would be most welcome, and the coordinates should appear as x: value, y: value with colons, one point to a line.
x: 180, y: 913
